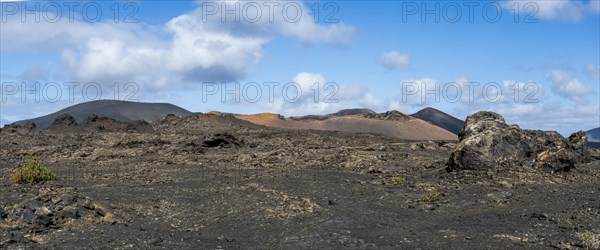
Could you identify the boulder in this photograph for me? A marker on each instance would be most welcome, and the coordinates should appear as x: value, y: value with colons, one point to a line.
x: 171, y: 118
x: 104, y: 124
x: 487, y: 143
x: 64, y: 120
x: 29, y: 126
x: 222, y: 141
x: 55, y: 209
x: 393, y: 115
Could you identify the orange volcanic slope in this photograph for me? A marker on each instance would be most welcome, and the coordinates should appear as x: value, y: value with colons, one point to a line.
x: 395, y: 124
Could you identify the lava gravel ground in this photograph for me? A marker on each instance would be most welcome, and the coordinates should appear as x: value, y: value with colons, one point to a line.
x: 273, y: 188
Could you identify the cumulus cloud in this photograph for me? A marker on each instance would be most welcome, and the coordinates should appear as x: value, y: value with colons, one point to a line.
x: 189, y: 49
x: 520, y: 102
x: 565, y: 10
x: 394, y: 60
x: 593, y: 70
x: 307, y: 81
x: 36, y: 73
x: 563, y: 84
x: 552, y: 116
x: 317, y: 95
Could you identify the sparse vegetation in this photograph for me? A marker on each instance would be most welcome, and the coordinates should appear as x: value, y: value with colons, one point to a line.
x: 589, y: 240
x: 432, y: 196
x: 397, y: 180
x: 33, y: 172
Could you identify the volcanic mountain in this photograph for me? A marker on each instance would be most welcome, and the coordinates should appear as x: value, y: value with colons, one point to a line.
x: 440, y: 119
x: 391, y: 123
x: 593, y: 135
x: 118, y: 110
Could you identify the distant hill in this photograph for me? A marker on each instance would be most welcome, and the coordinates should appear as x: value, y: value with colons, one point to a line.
x: 440, y: 119
x: 391, y: 123
x: 119, y: 110
x: 593, y: 135
x: 345, y: 112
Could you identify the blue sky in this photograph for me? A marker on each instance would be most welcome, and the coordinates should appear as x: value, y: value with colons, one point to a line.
x: 375, y: 54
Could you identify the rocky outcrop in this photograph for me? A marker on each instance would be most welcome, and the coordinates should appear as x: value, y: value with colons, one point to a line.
x: 65, y: 120
x: 222, y: 141
x: 171, y: 118
x: 393, y: 115
x: 310, y: 118
x: 104, y: 124
x: 52, y: 209
x: 488, y: 143
x: 345, y: 112
x: 65, y: 123
x: 30, y: 126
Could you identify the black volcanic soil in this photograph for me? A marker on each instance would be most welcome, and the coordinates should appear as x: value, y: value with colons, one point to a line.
x: 196, y: 183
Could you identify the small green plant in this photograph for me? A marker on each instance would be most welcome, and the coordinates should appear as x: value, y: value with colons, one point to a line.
x: 397, y: 180
x: 432, y: 196
x: 589, y: 240
x: 33, y: 172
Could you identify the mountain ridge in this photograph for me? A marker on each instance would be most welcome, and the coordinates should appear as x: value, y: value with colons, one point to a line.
x: 440, y: 119
x: 124, y: 111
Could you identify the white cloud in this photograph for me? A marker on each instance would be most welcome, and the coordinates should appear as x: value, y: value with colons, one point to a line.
x: 566, y: 86
x: 332, y: 96
x: 394, y: 60
x: 307, y: 81
x: 369, y: 100
x: 421, y: 92
x: 185, y: 50
x: 288, y: 18
x: 36, y: 73
x: 593, y: 70
x: 552, y: 116
x: 542, y: 115
x: 462, y: 90
x: 565, y: 10
x: 521, y: 102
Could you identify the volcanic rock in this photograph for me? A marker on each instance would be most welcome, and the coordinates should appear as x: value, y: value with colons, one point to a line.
x: 222, y: 140
x: 55, y: 209
x: 64, y: 120
x: 440, y: 119
x: 29, y: 126
x: 393, y: 115
x: 104, y: 124
x: 309, y: 118
x: 358, y: 111
x: 171, y: 118
x: 488, y: 143
x: 124, y: 111
x: 3, y: 214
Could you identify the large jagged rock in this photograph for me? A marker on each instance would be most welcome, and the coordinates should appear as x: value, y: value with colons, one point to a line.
x: 488, y: 143
x: 65, y: 120
x: 393, y: 115
x: 53, y: 209
x: 104, y: 124
x: 29, y: 126
x: 65, y: 123
x: 222, y: 141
